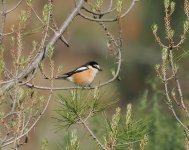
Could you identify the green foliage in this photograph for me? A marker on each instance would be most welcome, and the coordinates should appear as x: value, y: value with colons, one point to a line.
x: 78, y: 104
x: 119, y: 6
x: 144, y: 142
x: 172, y: 7
x: 34, y: 44
x: 166, y: 3
x: 1, y: 48
x: 46, y: 10
x: 112, y: 129
x: 170, y: 34
x: 118, y: 132
x: 13, y: 28
x: 2, y: 65
x: 128, y: 115
x: 12, y: 41
x: 69, y: 142
x: 60, y: 69
x: 72, y: 142
x: 164, y: 131
x: 33, y: 31
x: 45, y: 13
x: 23, y: 17
x: 44, y: 144
x: 29, y: 2
x: 50, y: 51
x: 23, y: 60
x: 99, y: 4
x: 154, y: 28
x: 1, y: 115
x: 164, y: 55
x: 123, y: 131
x: 186, y: 26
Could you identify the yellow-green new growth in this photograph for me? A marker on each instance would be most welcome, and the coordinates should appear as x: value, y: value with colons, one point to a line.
x: 2, y: 66
x: 115, y: 120
x: 119, y: 6
x: 164, y: 54
x: 50, y: 51
x: 23, y: 18
x: 46, y: 9
x: 172, y: 7
x: 166, y: 3
x: 99, y: 4
x: 186, y: 26
x: 170, y: 34
x: 29, y: 2
x: 128, y: 115
x: 2, y: 114
x: 154, y: 28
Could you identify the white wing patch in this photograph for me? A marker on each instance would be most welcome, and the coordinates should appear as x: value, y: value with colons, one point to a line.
x: 81, y: 68
x: 69, y: 79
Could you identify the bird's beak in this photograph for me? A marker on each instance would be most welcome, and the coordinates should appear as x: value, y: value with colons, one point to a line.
x: 100, y: 69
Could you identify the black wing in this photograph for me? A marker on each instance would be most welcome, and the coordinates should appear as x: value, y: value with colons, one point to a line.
x: 77, y: 70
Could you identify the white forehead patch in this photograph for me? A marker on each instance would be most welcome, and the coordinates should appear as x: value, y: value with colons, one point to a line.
x: 97, y: 66
x: 81, y: 68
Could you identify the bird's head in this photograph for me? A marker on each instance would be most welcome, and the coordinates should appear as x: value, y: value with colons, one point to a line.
x: 94, y: 65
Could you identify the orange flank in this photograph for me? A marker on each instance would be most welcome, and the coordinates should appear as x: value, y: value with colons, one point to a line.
x: 83, y: 78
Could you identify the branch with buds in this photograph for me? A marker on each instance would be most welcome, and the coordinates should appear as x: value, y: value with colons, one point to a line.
x: 167, y: 71
x: 19, y: 93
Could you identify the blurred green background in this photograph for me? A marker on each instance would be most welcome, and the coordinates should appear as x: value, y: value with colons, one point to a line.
x: 138, y: 77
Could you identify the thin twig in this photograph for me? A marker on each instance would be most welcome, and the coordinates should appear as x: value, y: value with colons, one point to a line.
x: 3, y: 20
x: 112, y: 19
x: 33, y: 125
x: 35, y: 122
x: 41, y: 19
x: 177, y: 81
x: 12, y: 9
x: 43, y: 52
x: 170, y: 104
x: 76, y: 87
x: 98, y: 13
x: 110, y: 6
x: 92, y: 134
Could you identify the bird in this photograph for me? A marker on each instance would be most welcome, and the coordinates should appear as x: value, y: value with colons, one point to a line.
x: 83, y: 75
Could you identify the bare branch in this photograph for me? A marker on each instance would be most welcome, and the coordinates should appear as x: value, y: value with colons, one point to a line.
x: 177, y: 82
x: 97, y: 20
x: 12, y: 9
x: 3, y: 18
x: 43, y: 52
x: 10, y: 141
x: 170, y: 103
x: 41, y: 19
x: 62, y: 38
x: 110, y: 6
x: 98, y: 13
x: 129, y: 9
x: 25, y: 128
x: 92, y: 134
x: 112, y: 19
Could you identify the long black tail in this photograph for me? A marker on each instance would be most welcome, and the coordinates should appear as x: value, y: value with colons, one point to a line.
x: 64, y: 77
